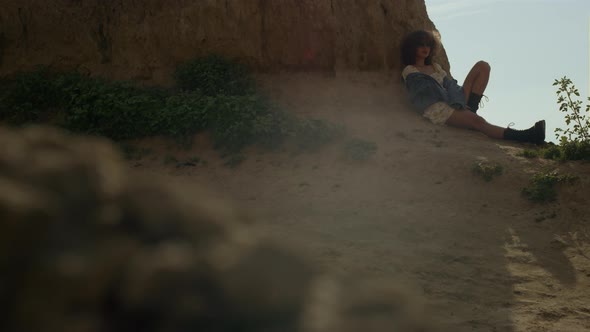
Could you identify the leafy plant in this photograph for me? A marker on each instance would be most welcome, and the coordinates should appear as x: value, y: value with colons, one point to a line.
x: 115, y: 110
x: 214, y: 75
x: 574, y: 141
x: 575, y: 150
x: 487, y: 170
x: 185, y: 114
x: 553, y: 152
x: 27, y: 96
x: 216, y: 95
x: 573, y: 112
x: 543, y: 186
x: 236, y: 121
x: 529, y: 153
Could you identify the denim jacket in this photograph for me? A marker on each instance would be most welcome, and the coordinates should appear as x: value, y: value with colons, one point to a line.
x: 424, y: 91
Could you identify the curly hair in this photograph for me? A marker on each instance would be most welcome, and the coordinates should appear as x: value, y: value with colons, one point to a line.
x: 411, y: 44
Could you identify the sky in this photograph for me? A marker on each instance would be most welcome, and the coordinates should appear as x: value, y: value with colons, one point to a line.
x: 528, y: 43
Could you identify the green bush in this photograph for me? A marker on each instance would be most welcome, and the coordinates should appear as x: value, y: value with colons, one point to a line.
x: 529, y: 153
x: 575, y: 138
x: 237, y: 121
x: 572, y: 108
x: 552, y: 152
x: 487, y: 170
x: 28, y: 96
x: 82, y: 104
x: 115, y: 110
x: 543, y: 186
x: 566, y: 150
x: 575, y: 150
x: 185, y: 114
x: 216, y: 95
x: 214, y: 75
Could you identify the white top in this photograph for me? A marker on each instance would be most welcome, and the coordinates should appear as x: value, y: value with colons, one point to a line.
x: 439, y: 73
x: 438, y: 112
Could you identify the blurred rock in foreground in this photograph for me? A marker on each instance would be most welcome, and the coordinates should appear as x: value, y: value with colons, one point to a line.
x: 87, y: 246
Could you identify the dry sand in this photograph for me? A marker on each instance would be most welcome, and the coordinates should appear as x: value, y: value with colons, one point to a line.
x: 483, y: 257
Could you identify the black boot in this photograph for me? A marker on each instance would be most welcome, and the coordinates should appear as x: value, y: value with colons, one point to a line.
x: 535, y: 134
x: 473, y: 102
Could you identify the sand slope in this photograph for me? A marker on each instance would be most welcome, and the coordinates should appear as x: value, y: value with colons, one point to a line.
x: 484, y: 257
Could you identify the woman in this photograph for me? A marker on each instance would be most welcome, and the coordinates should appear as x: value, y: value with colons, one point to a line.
x: 442, y: 101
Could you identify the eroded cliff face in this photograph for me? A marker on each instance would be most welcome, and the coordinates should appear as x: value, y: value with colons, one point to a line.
x: 146, y: 39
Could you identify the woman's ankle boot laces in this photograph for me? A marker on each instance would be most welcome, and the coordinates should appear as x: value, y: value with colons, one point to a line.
x: 475, y: 101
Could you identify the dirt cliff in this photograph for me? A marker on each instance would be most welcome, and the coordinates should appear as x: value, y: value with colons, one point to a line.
x: 145, y: 39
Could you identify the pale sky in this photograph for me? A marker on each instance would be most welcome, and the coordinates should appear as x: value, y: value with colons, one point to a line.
x: 528, y: 43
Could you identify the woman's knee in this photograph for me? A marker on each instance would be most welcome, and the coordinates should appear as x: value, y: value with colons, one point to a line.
x: 477, y: 122
x: 465, y: 119
x: 483, y: 66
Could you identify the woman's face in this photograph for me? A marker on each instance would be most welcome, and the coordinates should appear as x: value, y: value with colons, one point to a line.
x: 423, y: 51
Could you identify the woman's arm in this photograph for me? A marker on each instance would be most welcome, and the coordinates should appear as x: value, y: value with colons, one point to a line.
x: 424, y: 90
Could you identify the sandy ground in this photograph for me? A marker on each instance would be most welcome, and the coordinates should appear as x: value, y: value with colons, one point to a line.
x: 483, y: 257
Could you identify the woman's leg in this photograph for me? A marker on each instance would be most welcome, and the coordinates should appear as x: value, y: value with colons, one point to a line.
x: 477, y: 79
x: 469, y: 120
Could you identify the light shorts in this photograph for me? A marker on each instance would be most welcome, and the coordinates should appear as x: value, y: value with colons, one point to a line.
x: 439, y: 113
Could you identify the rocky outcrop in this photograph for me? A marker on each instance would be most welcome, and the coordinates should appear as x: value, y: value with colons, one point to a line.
x: 86, y: 246
x: 145, y: 39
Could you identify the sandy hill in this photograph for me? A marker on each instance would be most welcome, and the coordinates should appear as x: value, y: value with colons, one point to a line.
x: 485, y: 257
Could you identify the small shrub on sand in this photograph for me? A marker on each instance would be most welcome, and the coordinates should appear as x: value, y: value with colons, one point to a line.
x: 566, y: 150
x: 551, y: 152
x: 575, y: 150
x: 529, y: 153
x: 487, y: 170
x: 543, y: 186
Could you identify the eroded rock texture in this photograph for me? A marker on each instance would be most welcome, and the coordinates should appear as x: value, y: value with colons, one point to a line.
x: 145, y: 39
